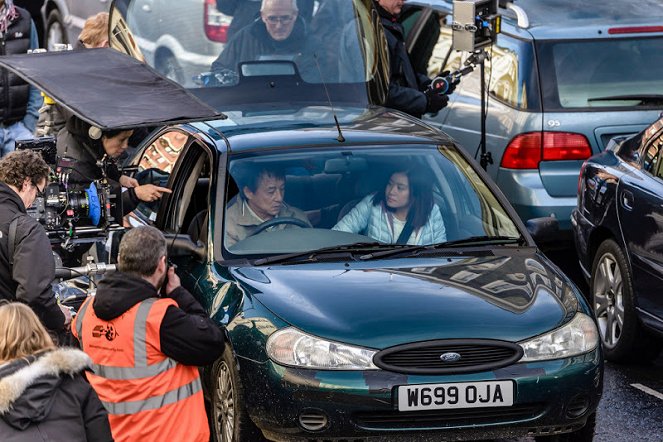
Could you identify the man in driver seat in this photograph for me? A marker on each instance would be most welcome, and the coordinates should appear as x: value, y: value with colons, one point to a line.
x: 260, y: 200
x: 277, y: 34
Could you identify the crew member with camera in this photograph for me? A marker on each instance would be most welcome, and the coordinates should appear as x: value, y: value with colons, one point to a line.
x: 27, y: 267
x: 96, y: 152
x: 408, y: 90
x: 146, y: 346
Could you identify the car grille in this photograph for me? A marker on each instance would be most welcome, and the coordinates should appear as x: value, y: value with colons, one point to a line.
x: 465, y: 356
x: 447, y: 418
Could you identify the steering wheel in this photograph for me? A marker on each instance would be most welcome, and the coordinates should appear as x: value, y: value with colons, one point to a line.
x: 276, y: 221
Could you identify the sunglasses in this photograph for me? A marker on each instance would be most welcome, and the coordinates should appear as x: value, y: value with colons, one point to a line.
x: 283, y: 19
x: 40, y: 192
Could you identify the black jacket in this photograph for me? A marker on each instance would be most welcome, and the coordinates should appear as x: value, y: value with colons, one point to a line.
x: 29, y: 279
x: 15, y: 91
x: 46, y: 398
x: 187, y: 334
x: 405, y: 85
x: 73, y: 142
x: 253, y: 41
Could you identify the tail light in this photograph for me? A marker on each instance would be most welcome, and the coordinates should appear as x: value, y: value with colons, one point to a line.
x: 526, y: 151
x: 216, y: 23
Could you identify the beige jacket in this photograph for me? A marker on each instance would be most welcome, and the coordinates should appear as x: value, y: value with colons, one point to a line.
x: 241, y: 221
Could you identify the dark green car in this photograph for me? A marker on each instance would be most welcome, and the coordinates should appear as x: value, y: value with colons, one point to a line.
x: 336, y: 335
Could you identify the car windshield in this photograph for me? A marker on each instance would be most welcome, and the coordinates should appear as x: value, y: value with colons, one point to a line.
x: 228, y: 52
x: 616, y: 72
x: 306, y: 200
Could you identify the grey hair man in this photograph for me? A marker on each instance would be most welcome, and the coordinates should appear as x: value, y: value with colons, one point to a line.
x: 155, y: 333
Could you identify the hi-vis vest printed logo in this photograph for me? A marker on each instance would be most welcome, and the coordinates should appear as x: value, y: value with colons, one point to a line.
x: 108, y: 332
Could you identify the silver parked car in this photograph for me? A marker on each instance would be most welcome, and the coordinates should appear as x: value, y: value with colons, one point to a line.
x: 64, y: 19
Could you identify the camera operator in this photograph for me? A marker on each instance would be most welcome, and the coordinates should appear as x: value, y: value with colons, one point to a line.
x: 27, y: 267
x: 88, y: 146
x: 408, y: 90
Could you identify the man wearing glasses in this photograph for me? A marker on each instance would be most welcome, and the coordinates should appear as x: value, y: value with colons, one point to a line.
x: 27, y: 267
x: 278, y: 34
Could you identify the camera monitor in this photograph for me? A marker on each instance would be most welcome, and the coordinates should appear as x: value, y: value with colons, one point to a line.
x: 475, y: 25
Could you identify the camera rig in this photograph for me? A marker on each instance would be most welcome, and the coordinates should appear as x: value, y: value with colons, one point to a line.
x: 72, y: 212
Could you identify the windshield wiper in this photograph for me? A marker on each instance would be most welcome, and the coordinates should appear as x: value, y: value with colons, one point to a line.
x: 645, y: 99
x: 478, y: 240
x: 346, y: 250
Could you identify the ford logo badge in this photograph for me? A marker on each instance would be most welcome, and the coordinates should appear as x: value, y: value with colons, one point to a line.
x: 450, y: 357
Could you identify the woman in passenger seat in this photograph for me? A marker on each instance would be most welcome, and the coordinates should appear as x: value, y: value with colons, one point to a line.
x: 403, y: 214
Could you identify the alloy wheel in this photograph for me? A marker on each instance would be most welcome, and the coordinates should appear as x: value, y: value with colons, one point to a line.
x: 224, y: 404
x: 608, y: 298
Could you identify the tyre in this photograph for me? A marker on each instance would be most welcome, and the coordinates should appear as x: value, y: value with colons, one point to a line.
x: 613, y: 303
x: 229, y: 420
x: 585, y: 434
x: 167, y: 65
x: 56, y: 33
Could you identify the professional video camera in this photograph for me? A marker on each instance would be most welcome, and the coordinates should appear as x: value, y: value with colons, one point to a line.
x: 71, y: 212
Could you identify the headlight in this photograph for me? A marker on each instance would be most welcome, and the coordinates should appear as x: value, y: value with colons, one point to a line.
x: 577, y: 337
x: 292, y: 347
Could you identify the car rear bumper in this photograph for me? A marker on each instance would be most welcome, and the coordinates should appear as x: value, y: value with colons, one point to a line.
x: 582, y: 229
x: 550, y: 397
x: 527, y: 194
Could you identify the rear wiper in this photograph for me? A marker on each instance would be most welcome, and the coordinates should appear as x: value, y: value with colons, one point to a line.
x: 311, y: 255
x: 478, y: 240
x: 645, y: 99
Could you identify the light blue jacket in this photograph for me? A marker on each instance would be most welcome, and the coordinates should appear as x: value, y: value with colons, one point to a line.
x: 374, y: 222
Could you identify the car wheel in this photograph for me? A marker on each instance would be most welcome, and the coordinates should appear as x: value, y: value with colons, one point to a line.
x: 585, y: 434
x: 613, y: 304
x: 229, y: 420
x: 167, y: 65
x: 55, y: 31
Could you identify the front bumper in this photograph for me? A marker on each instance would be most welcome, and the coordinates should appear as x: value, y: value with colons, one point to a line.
x: 551, y: 397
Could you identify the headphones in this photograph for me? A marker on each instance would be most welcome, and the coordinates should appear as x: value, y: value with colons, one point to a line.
x: 94, y: 132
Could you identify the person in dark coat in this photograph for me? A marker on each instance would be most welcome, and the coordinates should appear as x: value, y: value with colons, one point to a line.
x: 28, y: 268
x: 43, y: 393
x: 245, y: 12
x: 89, y: 146
x: 408, y: 90
x: 19, y: 102
x: 279, y: 32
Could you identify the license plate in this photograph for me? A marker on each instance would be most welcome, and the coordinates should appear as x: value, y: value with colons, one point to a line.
x: 455, y: 395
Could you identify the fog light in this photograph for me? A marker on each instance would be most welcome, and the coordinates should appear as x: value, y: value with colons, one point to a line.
x: 577, y: 407
x: 313, y: 420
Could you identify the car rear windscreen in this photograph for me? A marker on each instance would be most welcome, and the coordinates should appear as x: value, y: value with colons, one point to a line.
x: 600, y: 74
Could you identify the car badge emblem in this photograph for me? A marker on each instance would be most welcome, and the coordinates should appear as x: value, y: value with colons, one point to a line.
x: 450, y: 357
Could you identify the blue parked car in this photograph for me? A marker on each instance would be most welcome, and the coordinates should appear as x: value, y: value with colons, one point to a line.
x: 564, y: 78
x: 618, y: 228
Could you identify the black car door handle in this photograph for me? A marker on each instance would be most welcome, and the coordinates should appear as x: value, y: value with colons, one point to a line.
x: 627, y: 200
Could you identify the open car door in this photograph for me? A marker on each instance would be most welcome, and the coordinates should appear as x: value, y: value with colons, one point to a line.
x: 336, y: 51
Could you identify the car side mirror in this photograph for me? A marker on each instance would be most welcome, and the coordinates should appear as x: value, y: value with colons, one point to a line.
x: 543, y: 229
x: 180, y: 244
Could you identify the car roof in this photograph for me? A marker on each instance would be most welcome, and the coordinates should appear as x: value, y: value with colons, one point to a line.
x: 569, y: 18
x: 314, y: 126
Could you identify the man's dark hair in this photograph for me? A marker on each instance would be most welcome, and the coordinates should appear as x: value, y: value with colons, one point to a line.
x: 251, y: 177
x: 16, y: 166
x: 141, y: 249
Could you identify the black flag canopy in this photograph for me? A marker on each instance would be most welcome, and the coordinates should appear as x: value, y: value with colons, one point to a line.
x: 109, y: 89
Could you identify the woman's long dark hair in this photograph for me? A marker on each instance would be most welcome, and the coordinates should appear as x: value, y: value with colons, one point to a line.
x: 421, y: 194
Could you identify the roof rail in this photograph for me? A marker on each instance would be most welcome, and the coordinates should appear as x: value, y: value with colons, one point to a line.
x: 521, y: 15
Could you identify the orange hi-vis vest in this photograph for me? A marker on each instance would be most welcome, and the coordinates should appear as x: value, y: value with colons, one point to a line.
x: 148, y: 396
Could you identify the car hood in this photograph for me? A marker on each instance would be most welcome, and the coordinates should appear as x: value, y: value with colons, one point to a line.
x: 386, y: 303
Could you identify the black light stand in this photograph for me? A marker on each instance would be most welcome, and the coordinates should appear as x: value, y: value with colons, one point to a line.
x: 486, y: 157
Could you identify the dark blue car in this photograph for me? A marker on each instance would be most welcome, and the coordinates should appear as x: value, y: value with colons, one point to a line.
x: 618, y: 228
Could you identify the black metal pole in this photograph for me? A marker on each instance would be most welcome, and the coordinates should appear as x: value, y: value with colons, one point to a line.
x: 486, y: 157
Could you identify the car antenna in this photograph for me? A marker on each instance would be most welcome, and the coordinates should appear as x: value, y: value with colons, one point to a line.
x: 340, y: 138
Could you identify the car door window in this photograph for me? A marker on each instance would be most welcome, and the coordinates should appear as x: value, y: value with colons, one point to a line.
x: 652, y: 157
x: 155, y: 166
